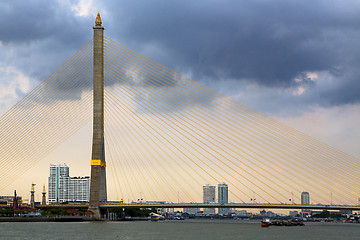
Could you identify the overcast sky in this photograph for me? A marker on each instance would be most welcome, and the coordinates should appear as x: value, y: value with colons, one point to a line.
x: 297, y: 61
x: 306, y: 52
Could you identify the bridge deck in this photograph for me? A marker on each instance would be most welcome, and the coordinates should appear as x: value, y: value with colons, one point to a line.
x: 210, y: 205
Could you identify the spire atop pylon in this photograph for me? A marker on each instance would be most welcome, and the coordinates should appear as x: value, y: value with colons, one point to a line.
x: 44, y: 188
x: 98, y: 21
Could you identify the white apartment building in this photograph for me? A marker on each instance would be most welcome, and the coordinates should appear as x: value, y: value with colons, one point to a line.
x: 63, y: 188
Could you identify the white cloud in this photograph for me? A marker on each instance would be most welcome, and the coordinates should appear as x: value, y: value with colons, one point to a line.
x: 13, y: 85
x: 82, y: 8
x: 312, y: 75
x: 298, y: 91
x: 300, y: 88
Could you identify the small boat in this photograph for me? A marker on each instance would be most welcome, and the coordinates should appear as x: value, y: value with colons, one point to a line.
x: 265, y: 222
x: 155, y: 217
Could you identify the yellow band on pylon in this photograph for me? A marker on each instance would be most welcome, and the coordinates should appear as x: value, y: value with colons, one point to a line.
x: 98, y: 163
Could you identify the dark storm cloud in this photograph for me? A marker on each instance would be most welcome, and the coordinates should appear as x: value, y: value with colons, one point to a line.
x: 39, y: 36
x: 28, y: 21
x: 269, y: 43
x: 344, y: 90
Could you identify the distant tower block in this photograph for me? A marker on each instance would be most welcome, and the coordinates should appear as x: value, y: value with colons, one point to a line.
x: 43, y: 202
x: 32, y: 196
x: 98, y: 193
x: 223, y: 197
x: 209, y: 197
x: 305, y: 198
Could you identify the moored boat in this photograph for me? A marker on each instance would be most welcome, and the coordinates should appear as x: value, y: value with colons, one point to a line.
x: 265, y: 222
x: 293, y: 222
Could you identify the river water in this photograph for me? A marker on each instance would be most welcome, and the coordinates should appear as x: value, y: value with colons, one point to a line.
x: 188, y: 229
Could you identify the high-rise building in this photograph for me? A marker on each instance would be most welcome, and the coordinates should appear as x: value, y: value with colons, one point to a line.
x: 63, y: 188
x: 209, y: 194
x: 58, y: 182
x: 79, y: 189
x: 223, y: 197
x: 209, y: 197
x: 305, y: 198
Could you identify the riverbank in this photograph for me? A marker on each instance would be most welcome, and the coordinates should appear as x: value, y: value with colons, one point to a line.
x: 45, y: 219
x: 65, y: 219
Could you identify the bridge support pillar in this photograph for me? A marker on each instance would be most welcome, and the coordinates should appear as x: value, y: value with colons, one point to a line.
x: 98, y: 192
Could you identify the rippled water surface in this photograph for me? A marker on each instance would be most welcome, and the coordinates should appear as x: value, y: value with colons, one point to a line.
x: 189, y: 229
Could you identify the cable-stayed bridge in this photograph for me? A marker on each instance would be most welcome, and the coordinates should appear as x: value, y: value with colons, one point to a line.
x: 164, y: 136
